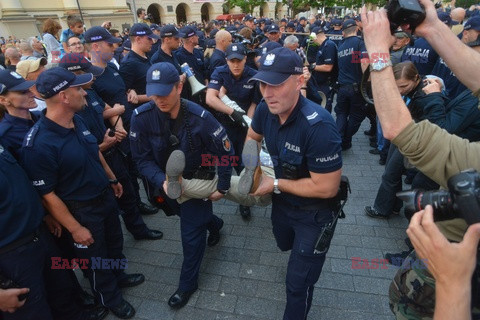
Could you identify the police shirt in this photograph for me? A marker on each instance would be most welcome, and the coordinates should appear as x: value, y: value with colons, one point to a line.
x: 327, y: 54
x: 194, y: 60
x: 216, y: 60
x: 422, y: 55
x: 161, y: 56
x: 13, y: 130
x: 240, y: 91
x: 111, y: 89
x: 149, y: 141
x: 92, y: 115
x: 307, y: 141
x: 154, y: 49
x: 336, y: 36
x: 64, y: 160
x: 350, y: 53
x: 21, y: 209
x: 452, y: 85
x: 134, y: 72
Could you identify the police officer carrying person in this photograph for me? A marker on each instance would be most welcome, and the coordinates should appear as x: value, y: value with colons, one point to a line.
x: 169, y: 123
x: 233, y: 78
x: 350, y: 108
x: 111, y: 88
x: 62, y: 159
x: 93, y: 115
x: 305, y: 147
x: 222, y: 40
x: 325, y: 70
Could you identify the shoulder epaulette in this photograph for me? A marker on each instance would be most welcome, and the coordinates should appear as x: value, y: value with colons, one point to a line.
x: 143, y: 108
x: 311, y: 114
x: 197, y: 110
x: 30, y: 137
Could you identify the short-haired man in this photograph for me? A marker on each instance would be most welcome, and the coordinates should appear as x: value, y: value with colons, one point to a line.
x: 306, y: 151
x: 222, y: 40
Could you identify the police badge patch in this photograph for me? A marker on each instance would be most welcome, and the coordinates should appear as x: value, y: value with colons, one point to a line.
x: 156, y: 75
x: 226, y: 143
x: 269, y: 59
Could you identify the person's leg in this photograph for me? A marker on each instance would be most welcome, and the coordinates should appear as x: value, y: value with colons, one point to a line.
x: 341, y: 110
x: 357, y: 115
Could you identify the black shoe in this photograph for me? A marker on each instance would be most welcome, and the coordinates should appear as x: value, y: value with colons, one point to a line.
x: 131, y: 280
x: 374, y: 151
x: 245, y: 212
x: 124, y: 310
x: 373, y: 144
x: 149, y: 234
x: 85, y: 300
x: 382, y: 162
x: 369, y: 132
x: 146, y: 209
x: 397, y: 259
x: 371, y: 212
x: 214, y: 236
x: 373, y: 139
x: 179, y: 298
x: 94, y: 314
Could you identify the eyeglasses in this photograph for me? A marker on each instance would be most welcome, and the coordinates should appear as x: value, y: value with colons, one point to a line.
x: 75, y: 44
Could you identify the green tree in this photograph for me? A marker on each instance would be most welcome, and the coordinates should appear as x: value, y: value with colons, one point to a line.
x: 247, y: 6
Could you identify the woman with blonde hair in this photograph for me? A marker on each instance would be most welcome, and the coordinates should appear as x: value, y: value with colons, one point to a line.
x: 50, y: 38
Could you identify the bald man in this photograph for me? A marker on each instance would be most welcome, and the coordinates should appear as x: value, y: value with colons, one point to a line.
x: 222, y: 40
x: 457, y: 14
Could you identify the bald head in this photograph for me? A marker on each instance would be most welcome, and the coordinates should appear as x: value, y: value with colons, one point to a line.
x: 458, y: 14
x: 13, y: 56
x: 222, y: 40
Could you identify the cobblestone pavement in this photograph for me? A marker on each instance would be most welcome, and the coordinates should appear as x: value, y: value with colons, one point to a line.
x: 243, y: 277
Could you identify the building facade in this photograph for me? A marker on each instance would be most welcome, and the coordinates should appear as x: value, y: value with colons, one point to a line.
x: 24, y: 18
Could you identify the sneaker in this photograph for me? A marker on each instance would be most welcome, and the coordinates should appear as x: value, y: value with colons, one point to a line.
x: 372, y: 212
x: 250, y: 179
x: 174, y: 170
x: 397, y: 259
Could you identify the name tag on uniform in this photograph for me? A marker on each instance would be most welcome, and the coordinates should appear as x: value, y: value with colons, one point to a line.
x: 248, y: 86
x: 116, y: 74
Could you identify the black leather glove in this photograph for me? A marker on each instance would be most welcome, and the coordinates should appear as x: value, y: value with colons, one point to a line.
x: 237, y: 117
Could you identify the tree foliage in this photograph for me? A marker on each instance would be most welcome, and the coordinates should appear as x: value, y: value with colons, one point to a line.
x: 247, y: 6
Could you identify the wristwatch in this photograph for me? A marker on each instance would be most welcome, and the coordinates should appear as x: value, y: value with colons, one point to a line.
x: 113, y: 181
x: 275, y: 187
x: 224, y: 192
x: 380, y: 64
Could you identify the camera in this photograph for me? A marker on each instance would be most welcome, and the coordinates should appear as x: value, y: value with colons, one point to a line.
x: 149, y: 17
x: 461, y: 200
x: 402, y: 12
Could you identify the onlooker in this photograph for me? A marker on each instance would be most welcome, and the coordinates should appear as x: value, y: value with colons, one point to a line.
x: 75, y: 45
x: 75, y: 28
x: 50, y: 34
x: 12, y: 57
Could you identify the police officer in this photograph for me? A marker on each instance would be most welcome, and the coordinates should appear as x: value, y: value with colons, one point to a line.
x: 305, y: 145
x: 325, y: 70
x: 163, y: 125
x: 111, y: 88
x: 234, y: 79
x: 62, y: 159
x: 350, y: 108
x: 335, y: 34
x: 93, y: 115
x: 423, y: 56
x: 222, y: 40
x: 273, y: 34
x: 156, y: 43
x: 170, y: 42
x: 26, y: 249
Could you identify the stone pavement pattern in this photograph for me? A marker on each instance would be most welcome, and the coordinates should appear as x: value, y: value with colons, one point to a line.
x: 243, y: 276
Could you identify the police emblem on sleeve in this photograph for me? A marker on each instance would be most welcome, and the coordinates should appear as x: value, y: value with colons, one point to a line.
x: 156, y: 75
x: 226, y: 143
x: 269, y: 59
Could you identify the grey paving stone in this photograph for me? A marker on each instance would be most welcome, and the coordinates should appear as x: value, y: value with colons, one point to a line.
x: 258, y: 272
x: 216, y: 301
x: 255, y: 307
x: 274, y: 258
x: 371, y: 285
x: 222, y: 268
x: 332, y: 280
x: 238, y: 286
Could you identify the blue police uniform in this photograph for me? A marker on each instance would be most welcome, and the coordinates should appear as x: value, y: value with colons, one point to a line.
x: 194, y: 60
x: 216, y: 60
x: 26, y: 249
x: 307, y: 142
x: 199, y: 133
x: 116, y: 160
x: 161, y: 56
x: 327, y: 54
x: 422, y: 55
x: 133, y: 71
x: 154, y: 48
x: 350, y: 108
x: 13, y: 130
x: 66, y: 161
x: 111, y: 88
x: 240, y: 91
x: 452, y: 85
x: 336, y: 36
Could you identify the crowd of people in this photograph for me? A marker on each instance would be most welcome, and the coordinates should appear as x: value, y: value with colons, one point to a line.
x: 88, y: 114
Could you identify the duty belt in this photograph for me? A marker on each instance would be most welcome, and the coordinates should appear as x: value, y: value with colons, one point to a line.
x: 73, y: 205
x: 31, y: 237
x: 202, y: 174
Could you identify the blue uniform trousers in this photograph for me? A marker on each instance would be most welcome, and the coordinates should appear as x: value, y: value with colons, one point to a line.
x: 196, y: 216
x: 298, y: 230
x: 128, y: 201
x: 350, y: 111
x: 52, y: 291
x: 102, y: 220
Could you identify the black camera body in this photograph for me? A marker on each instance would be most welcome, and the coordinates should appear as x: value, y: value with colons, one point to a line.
x: 401, y: 12
x: 461, y: 200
